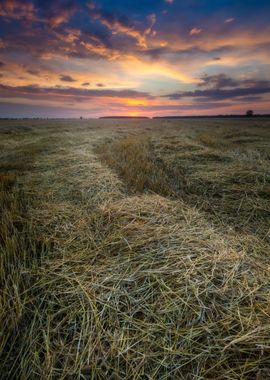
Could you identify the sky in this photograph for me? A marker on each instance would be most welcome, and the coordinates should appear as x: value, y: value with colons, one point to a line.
x: 97, y: 58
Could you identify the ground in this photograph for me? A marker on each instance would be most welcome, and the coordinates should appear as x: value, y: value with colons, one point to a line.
x: 135, y: 249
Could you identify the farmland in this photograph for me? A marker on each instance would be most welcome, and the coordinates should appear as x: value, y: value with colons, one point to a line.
x: 135, y: 249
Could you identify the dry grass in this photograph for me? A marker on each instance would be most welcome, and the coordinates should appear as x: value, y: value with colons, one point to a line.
x: 134, y: 160
x: 20, y: 250
x: 141, y: 278
x: 231, y: 185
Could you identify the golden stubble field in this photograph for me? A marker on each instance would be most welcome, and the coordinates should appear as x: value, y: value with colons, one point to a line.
x: 135, y: 249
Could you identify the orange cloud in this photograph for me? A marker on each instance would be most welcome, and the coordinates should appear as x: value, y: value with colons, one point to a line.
x: 116, y: 27
x: 61, y: 16
x: 119, y: 26
x: 100, y: 49
x: 69, y: 35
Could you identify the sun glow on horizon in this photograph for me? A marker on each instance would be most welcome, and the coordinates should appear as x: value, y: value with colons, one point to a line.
x: 137, y: 102
x: 133, y: 114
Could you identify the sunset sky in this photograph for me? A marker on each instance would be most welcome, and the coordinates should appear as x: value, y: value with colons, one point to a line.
x: 139, y: 57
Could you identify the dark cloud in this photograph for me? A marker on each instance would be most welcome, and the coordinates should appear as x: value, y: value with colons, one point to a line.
x: 222, y: 81
x: 100, y: 85
x: 219, y: 94
x: 187, y: 54
x: 222, y: 87
x: 33, y: 72
x: 250, y: 99
x: 44, y: 42
x: 2, y: 64
x: 17, y: 9
x: 217, y: 81
x: 67, y: 78
x: 86, y: 84
x: 34, y: 91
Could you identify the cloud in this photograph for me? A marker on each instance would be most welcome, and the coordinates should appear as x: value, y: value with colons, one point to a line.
x: 229, y: 20
x: 34, y: 91
x: 152, y: 18
x: 67, y: 78
x: 220, y: 94
x: 17, y: 9
x: 119, y: 45
x: 2, y: 64
x: 100, y: 85
x: 33, y: 72
x: 250, y: 99
x: 47, y: 43
x: 96, y: 47
x: 218, y: 81
x: 195, y: 31
x: 222, y: 87
x: 61, y: 15
x: 53, y: 13
x: 221, y: 81
x: 120, y: 24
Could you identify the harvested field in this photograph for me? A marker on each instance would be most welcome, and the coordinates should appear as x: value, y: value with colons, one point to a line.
x: 135, y: 249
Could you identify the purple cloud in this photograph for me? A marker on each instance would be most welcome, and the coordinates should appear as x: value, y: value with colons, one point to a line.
x: 67, y: 78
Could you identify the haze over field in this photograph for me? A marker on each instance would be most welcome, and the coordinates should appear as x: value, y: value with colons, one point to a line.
x: 91, y: 58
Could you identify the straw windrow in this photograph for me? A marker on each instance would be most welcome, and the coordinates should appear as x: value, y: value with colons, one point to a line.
x: 137, y: 283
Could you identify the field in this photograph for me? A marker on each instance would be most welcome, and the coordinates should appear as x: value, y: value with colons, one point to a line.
x: 135, y: 249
